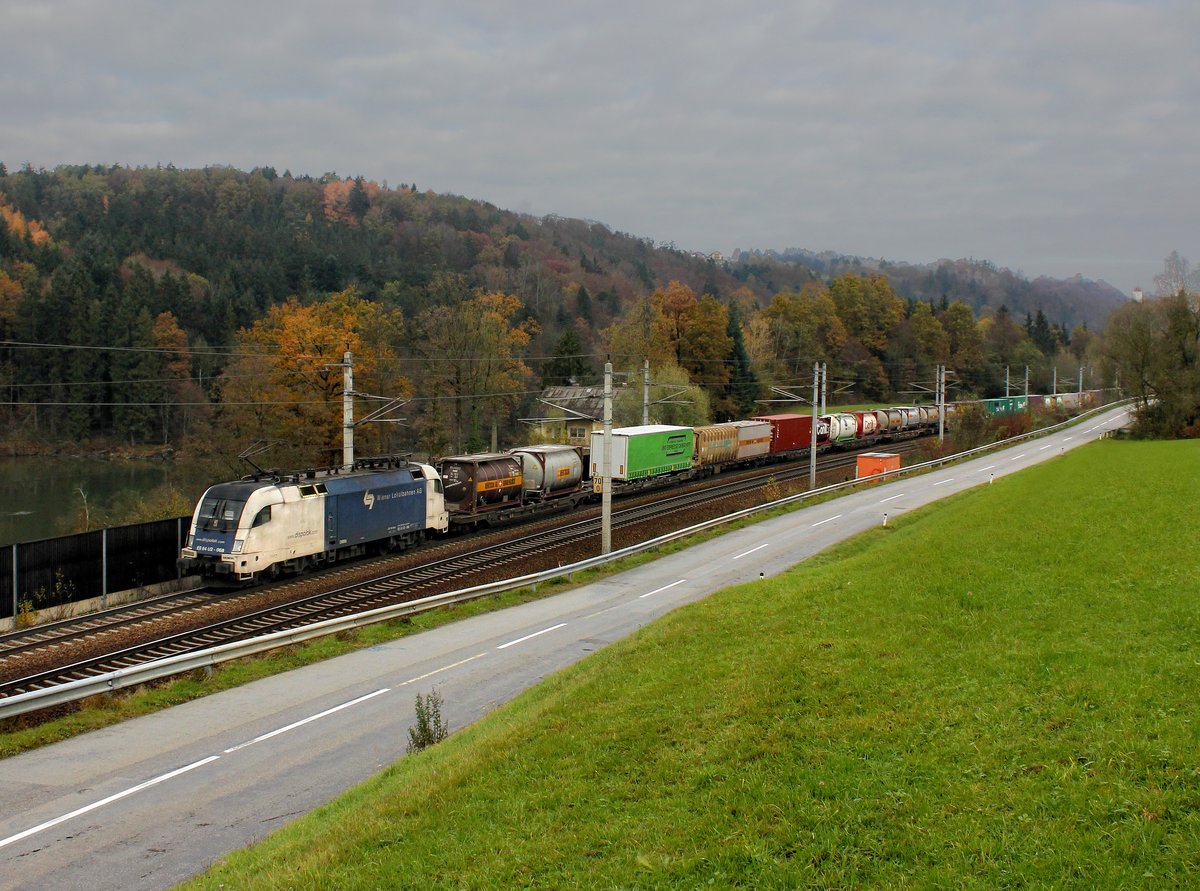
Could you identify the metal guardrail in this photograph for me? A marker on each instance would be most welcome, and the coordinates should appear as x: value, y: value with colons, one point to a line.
x: 124, y: 678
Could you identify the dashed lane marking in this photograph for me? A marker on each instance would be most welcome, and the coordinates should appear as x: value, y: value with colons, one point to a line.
x: 513, y: 643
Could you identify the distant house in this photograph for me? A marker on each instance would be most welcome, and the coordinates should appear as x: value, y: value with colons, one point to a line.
x: 571, y: 414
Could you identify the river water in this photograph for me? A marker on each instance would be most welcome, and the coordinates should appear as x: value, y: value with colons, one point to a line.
x: 41, y: 497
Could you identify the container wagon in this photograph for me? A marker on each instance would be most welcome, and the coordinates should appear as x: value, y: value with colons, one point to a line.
x: 793, y: 433
x: 754, y: 440
x: 715, y: 444
x: 643, y: 453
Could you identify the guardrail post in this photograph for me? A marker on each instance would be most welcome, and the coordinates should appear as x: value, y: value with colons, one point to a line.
x: 14, y: 580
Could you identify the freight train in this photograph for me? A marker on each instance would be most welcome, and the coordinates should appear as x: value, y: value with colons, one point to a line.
x: 270, y: 524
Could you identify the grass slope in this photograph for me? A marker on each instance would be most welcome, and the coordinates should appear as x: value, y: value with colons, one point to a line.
x: 996, y: 691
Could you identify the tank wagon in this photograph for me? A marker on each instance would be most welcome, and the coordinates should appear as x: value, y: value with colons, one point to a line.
x: 483, y: 486
x: 272, y: 523
x: 843, y: 428
x: 550, y: 471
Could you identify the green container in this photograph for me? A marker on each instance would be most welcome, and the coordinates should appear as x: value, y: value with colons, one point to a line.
x: 645, y: 451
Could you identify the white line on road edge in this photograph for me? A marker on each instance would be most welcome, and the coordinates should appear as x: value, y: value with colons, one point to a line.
x: 308, y: 720
x: 664, y: 587
x: 102, y: 802
x: 528, y: 636
x: 751, y: 551
x: 892, y: 498
x: 823, y: 522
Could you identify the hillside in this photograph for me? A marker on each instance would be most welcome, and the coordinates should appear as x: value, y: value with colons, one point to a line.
x: 207, y: 307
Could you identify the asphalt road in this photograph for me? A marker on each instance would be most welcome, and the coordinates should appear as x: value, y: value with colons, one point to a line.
x: 154, y: 801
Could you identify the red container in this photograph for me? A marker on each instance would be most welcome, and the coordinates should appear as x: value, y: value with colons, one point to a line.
x: 790, y: 433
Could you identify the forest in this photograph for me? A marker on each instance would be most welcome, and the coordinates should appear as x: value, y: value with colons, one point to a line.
x: 206, y: 309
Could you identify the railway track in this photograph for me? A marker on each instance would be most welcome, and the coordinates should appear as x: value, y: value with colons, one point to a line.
x: 563, y: 542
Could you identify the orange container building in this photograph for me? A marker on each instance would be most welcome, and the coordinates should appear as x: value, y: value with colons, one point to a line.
x: 872, y: 463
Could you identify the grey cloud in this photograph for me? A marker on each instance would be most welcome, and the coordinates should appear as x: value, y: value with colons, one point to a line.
x: 1028, y: 133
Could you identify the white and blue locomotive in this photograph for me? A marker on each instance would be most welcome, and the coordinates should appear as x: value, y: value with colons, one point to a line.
x: 269, y: 524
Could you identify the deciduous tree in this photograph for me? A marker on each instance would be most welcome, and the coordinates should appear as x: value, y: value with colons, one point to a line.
x: 287, y: 382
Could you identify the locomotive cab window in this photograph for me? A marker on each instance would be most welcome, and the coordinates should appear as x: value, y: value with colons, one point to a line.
x: 220, y: 514
x: 262, y: 518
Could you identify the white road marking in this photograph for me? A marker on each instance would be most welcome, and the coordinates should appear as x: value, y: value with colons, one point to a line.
x: 943, y: 482
x: 308, y: 720
x: 751, y: 551
x: 1043, y: 448
x: 1068, y: 439
x: 823, y: 522
x: 664, y: 587
x: 430, y: 674
x: 105, y: 801
x: 528, y: 636
x: 985, y: 469
x: 892, y: 498
x: 1018, y: 457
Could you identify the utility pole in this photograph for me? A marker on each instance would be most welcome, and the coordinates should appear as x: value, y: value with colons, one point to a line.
x: 347, y: 410
x: 1026, y: 387
x: 824, y: 384
x: 1005, y: 381
x: 646, y: 391
x: 1055, y: 392
x: 812, y: 449
x: 941, y: 401
x: 606, y: 466
x: 1080, y: 380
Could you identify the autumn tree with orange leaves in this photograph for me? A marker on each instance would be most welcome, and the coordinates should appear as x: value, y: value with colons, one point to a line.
x: 286, y: 382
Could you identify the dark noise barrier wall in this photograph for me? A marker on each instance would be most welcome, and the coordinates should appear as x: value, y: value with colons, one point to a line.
x: 55, y: 571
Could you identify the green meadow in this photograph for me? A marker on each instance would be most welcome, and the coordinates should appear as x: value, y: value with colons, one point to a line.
x: 997, y: 691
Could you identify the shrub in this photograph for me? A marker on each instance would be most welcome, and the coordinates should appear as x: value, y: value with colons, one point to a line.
x: 430, y: 727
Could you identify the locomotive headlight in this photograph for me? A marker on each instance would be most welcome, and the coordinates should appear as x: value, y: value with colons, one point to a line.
x: 237, y: 545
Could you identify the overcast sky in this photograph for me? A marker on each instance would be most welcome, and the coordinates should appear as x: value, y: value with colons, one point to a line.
x: 1051, y: 137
